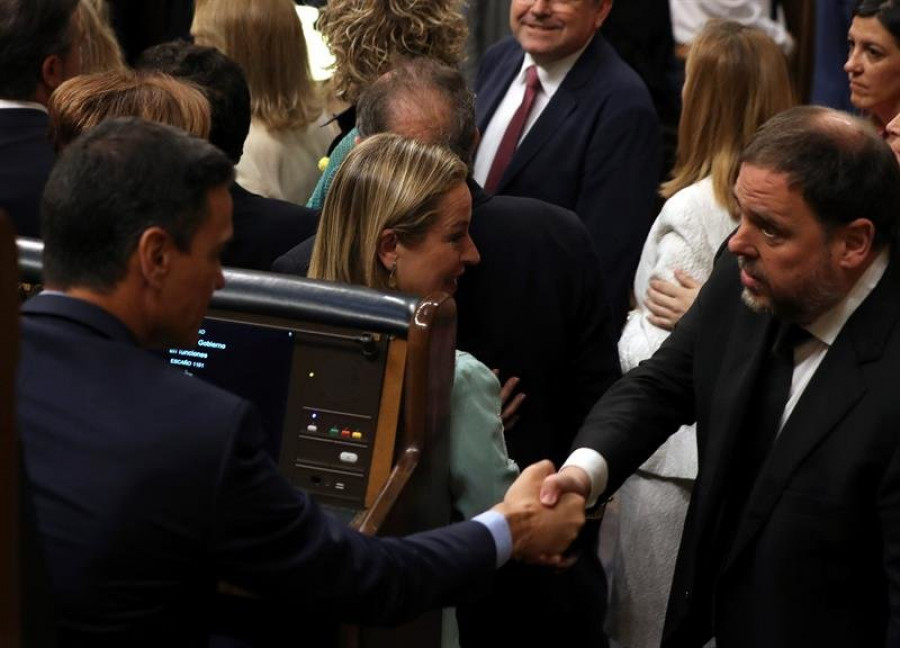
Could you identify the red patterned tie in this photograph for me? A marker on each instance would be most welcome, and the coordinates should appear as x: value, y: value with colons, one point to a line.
x: 513, y: 131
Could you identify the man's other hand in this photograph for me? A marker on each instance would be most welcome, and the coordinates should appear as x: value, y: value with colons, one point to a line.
x: 540, y: 534
x: 570, y: 479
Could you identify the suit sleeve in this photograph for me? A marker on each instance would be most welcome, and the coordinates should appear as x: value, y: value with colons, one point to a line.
x: 618, y: 193
x: 595, y: 362
x: 272, y: 539
x: 650, y: 403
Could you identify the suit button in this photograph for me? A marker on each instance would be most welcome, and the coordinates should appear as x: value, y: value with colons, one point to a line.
x: 687, y: 595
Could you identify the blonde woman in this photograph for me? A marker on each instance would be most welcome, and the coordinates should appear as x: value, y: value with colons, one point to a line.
x: 286, y: 140
x: 397, y: 218
x: 736, y: 79
x: 100, y: 50
x: 84, y: 101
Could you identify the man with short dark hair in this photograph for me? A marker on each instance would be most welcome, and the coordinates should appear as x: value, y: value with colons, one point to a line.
x: 264, y: 228
x: 150, y: 485
x: 40, y: 47
x: 788, y: 362
x: 565, y: 120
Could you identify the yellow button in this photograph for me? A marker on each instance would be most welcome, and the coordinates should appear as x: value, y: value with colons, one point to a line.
x: 357, y: 435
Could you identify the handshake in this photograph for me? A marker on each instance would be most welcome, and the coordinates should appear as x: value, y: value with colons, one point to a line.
x: 545, y: 511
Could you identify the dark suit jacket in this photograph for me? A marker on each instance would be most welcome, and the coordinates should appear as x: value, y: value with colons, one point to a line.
x: 25, y: 160
x: 816, y: 557
x: 296, y: 260
x: 595, y: 149
x: 532, y: 308
x: 265, y: 228
x: 150, y: 485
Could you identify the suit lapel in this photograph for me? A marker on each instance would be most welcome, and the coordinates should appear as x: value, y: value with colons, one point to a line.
x: 750, y: 337
x: 557, y: 111
x: 493, y: 92
x: 563, y: 103
x: 836, y: 387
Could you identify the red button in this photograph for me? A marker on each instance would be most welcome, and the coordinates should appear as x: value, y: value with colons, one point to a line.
x: 345, y: 433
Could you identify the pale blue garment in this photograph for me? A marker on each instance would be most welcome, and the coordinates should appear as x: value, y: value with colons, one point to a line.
x: 480, y: 467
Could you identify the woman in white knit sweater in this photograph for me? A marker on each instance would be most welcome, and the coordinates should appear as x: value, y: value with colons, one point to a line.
x: 736, y: 78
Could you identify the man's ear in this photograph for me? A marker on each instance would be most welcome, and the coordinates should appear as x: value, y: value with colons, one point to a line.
x: 387, y: 248
x: 53, y: 72
x: 857, y: 241
x: 155, y: 249
x: 605, y: 8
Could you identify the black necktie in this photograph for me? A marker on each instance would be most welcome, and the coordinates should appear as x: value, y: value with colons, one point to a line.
x: 760, y: 428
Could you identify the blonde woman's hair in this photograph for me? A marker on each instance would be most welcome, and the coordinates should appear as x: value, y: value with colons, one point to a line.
x: 365, y: 37
x: 386, y: 182
x: 84, y: 101
x: 736, y: 79
x: 264, y: 37
x: 100, y: 50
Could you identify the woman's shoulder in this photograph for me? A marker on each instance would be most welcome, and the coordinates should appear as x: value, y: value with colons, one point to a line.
x: 471, y: 370
x: 699, y: 195
x: 693, y: 209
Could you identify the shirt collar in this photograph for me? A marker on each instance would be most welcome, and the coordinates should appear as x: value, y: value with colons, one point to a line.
x: 6, y: 104
x: 827, y: 326
x: 551, y: 75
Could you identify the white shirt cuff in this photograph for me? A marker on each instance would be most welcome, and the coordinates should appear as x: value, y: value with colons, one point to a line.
x: 593, y: 463
x: 499, y: 529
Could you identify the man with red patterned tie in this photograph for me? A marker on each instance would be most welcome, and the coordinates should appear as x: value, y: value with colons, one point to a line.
x: 566, y: 121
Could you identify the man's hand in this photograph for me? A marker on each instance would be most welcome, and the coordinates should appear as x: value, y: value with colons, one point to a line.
x: 668, y: 301
x: 570, y: 479
x: 540, y: 534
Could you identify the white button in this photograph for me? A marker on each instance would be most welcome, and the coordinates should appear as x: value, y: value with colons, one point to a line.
x: 349, y: 457
x: 311, y: 428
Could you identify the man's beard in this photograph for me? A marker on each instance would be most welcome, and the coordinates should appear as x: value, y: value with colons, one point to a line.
x: 806, y: 301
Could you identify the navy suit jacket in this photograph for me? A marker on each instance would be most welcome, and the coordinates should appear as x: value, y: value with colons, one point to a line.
x: 25, y: 161
x: 150, y: 485
x: 595, y: 149
x: 265, y: 228
x: 815, y: 560
x: 534, y: 308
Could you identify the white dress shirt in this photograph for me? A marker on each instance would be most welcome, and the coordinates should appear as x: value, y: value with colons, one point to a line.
x: 551, y: 77
x: 6, y: 104
x: 689, y: 17
x: 807, y: 358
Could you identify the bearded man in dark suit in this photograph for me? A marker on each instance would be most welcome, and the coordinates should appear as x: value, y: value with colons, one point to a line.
x: 788, y: 363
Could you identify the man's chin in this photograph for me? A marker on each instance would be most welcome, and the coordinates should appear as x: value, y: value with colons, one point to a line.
x: 754, y: 302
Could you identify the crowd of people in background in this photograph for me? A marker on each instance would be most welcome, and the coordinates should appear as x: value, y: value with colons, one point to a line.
x: 635, y: 233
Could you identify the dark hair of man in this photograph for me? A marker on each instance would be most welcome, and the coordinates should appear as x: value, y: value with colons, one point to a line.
x: 30, y: 31
x: 843, y: 169
x: 113, y: 183
x: 887, y: 12
x: 408, y: 86
x: 221, y: 80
